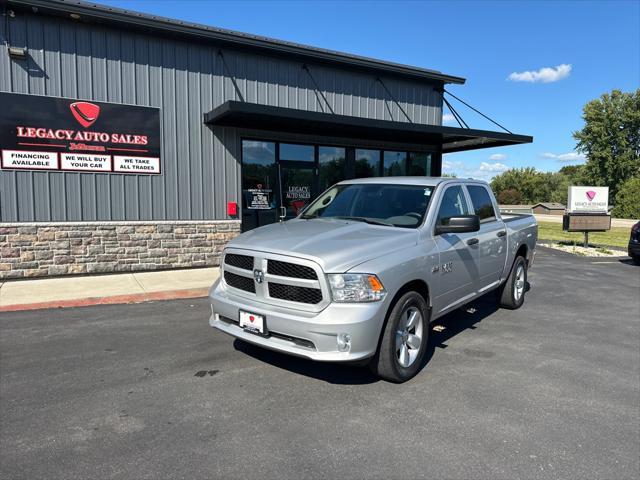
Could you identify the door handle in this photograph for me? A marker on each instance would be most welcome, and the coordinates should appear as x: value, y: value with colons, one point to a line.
x: 501, y: 233
x: 472, y: 241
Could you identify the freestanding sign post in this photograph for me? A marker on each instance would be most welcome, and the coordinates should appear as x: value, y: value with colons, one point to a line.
x: 587, y: 211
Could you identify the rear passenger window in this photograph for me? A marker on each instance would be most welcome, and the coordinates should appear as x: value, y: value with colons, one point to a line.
x: 453, y: 204
x: 482, y: 203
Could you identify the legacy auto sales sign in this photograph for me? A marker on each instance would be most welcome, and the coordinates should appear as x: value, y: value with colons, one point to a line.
x: 48, y: 133
x: 588, y: 199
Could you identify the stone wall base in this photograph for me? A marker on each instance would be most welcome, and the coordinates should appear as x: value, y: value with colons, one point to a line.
x: 51, y: 249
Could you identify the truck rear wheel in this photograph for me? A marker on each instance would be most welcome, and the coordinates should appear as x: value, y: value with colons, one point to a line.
x: 511, y: 294
x: 404, y: 339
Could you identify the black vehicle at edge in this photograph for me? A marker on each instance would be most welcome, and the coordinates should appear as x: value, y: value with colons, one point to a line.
x: 634, y: 244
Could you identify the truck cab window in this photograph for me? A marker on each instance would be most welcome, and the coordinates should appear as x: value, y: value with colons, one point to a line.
x: 453, y: 204
x: 482, y: 203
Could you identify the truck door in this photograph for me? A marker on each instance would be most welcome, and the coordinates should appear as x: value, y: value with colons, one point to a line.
x: 491, y: 250
x: 453, y: 277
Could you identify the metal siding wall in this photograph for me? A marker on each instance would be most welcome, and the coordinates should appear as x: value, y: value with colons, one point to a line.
x: 200, y: 168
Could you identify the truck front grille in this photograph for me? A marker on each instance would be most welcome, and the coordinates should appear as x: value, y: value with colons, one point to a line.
x: 292, y: 293
x: 238, y: 281
x: 275, y: 279
x: 241, y: 261
x: 286, y: 269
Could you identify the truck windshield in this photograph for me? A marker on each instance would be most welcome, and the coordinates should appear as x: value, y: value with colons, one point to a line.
x: 380, y: 204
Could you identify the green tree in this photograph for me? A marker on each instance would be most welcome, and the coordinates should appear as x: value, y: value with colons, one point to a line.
x: 528, y: 181
x: 610, y: 139
x: 510, y: 196
x: 628, y: 199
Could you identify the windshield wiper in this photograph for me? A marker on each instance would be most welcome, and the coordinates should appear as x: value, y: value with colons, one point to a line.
x: 370, y: 221
x: 307, y: 217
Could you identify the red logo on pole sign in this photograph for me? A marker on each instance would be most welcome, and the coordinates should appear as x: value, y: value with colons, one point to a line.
x: 591, y: 195
x: 85, y: 113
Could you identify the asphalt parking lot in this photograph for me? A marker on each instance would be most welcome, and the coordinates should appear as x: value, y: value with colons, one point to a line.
x: 150, y: 391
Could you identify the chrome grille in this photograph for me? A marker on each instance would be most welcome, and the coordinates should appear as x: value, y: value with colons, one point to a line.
x: 238, y: 281
x: 292, y: 293
x: 241, y: 261
x: 286, y: 269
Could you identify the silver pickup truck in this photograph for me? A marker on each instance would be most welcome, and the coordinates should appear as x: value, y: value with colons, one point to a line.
x: 362, y: 271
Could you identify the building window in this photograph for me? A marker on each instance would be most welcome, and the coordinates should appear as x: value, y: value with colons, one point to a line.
x: 419, y: 164
x: 367, y: 163
x: 298, y: 153
x: 332, y: 166
x: 259, y: 183
x: 394, y: 164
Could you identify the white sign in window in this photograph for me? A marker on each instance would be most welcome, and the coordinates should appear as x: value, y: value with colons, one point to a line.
x: 85, y: 162
x: 125, y: 164
x: 29, y: 160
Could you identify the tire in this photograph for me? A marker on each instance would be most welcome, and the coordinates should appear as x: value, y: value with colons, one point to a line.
x: 636, y: 259
x: 512, y: 292
x: 407, y: 327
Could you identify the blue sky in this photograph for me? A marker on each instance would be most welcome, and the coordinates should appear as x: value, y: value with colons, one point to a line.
x: 587, y: 48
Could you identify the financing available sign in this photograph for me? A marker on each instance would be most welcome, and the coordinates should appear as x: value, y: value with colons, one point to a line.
x: 588, y: 200
x: 59, y: 134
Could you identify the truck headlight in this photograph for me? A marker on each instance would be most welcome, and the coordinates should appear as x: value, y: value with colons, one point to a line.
x: 356, y: 287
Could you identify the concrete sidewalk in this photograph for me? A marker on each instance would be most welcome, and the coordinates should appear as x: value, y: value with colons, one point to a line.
x: 103, y: 289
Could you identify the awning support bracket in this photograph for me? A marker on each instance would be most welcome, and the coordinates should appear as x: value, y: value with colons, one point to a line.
x: 475, y: 110
x: 455, y: 114
x: 319, y: 92
x: 225, y: 67
x: 394, y: 100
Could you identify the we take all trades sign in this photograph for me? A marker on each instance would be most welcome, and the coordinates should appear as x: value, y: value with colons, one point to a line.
x: 67, y: 135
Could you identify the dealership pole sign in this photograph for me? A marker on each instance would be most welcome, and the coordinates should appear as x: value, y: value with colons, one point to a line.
x: 588, y: 200
x: 59, y: 134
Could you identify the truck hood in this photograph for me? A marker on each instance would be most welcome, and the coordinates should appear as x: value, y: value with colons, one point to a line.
x: 337, y: 245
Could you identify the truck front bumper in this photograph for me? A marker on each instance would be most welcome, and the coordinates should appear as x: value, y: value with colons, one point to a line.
x: 304, y: 334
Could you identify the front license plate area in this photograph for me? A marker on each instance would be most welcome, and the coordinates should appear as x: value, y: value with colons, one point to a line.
x: 253, y: 323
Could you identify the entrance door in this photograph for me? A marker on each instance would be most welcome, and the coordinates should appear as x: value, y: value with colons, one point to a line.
x: 297, y: 187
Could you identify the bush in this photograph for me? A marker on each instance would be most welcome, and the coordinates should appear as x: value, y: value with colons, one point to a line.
x: 628, y: 199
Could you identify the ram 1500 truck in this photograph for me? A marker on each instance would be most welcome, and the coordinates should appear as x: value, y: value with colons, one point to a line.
x: 362, y: 271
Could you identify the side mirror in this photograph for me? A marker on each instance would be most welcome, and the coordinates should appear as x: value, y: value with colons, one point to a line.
x: 461, y: 224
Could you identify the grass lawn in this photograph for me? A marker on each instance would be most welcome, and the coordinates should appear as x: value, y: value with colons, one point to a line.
x: 616, y: 237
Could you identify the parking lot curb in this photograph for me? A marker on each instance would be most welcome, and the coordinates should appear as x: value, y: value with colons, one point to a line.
x: 116, y: 299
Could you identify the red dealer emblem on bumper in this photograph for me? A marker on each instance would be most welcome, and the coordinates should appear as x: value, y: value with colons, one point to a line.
x: 85, y: 113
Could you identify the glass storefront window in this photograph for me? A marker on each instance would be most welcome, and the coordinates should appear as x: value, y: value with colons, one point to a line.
x: 367, y: 163
x: 294, y: 152
x: 259, y: 183
x: 419, y: 164
x: 394, y: 164
x: 333, y: 166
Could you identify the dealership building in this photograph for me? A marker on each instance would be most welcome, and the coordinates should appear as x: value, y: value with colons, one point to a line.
x: 132, y: 142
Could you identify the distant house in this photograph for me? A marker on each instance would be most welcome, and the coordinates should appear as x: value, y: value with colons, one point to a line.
x: 549, y: 208
x: 515, y: 208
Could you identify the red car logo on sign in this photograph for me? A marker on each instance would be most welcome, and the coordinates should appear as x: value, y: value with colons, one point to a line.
x: 85, y: 113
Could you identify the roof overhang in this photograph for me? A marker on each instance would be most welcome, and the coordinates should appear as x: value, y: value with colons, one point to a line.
x: 96, y: 13
x: 265, y: 117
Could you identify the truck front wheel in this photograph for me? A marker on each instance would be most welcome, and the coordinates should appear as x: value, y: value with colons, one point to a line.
x: 404, y: 339
x: 511, y: 294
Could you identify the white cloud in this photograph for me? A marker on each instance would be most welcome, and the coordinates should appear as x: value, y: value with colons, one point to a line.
x: 448, y: 118
x: 485, y: 171
x: 496, y: 157
x: 493, y: 167
x: 564, y: 157
x: 544, y: 75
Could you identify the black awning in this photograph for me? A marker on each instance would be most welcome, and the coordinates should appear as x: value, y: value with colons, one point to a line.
x: 265, y: 117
